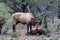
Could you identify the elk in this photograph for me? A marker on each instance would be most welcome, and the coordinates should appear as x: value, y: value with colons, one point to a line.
x: 39, y: 31
x: 25, y: 18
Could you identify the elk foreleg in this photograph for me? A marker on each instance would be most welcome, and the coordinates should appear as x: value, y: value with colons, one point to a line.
x: 30, y: 28
x: 27, y: 28
x: 14, y: 28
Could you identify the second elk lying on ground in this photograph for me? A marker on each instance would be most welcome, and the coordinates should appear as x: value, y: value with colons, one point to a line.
x: 25, y: 18
x: 38, y: 31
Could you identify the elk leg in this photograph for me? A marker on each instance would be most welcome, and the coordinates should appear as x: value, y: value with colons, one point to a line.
x: 27, y: 28
x: 30, y: 28
x: 14, y: 28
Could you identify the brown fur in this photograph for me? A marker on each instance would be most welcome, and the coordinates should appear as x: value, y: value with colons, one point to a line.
x: 41, y: 30
x: 38, y: 31
x: 25, y: 18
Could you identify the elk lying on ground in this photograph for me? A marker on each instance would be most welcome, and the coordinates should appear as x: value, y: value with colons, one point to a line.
x: 25, y: 18
x: 38, y: 31
x: 41, y: 31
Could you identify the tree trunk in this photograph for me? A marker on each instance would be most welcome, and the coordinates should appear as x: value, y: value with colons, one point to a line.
x: 45, y: 22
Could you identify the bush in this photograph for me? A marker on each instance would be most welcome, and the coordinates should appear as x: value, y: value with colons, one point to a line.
x: 4, y: 12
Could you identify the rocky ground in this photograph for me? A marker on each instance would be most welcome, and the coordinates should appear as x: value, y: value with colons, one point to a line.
x: 22, y: 36
x: 54, y: 35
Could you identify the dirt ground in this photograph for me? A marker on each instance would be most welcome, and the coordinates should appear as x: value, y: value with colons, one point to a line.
x: 21, y: 35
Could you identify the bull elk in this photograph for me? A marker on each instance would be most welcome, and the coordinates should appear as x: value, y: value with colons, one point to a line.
x: 25, y: 18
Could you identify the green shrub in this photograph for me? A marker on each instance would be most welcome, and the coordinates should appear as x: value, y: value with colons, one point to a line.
x: 4, y: 12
